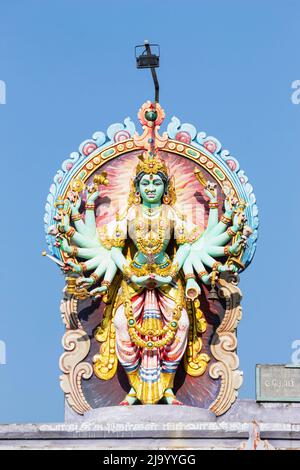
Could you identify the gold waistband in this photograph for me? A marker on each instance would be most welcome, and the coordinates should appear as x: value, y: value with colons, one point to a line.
x: 162, y: 269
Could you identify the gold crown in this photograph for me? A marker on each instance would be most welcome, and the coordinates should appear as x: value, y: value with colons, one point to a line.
x: 150, y: 164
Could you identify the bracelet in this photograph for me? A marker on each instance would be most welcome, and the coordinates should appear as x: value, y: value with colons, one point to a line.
x: 95, y: 277
x: 213, y: 205
x: 225, y: 220
x: 70, y: 233
x: 74, y: 252
x: 127, y: 272
x: 189, y: 276
x: 76, y: 217
x: 105, y: 283
x: 202, y: 273
x: 231, y: 232
x: 83, y: 267
x: 227, y: 251
x: 90, y: 206
x: 216, y: 265
x: 174, y: 271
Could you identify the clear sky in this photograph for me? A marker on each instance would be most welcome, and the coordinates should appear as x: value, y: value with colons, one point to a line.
x: 68, y: 65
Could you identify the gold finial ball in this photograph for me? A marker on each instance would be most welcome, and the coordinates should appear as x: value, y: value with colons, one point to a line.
x: 44, y: 253
x: 101, y: 179
x: 77, y: 185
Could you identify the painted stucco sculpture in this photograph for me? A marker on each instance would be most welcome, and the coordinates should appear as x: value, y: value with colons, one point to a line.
x: 151, y: 232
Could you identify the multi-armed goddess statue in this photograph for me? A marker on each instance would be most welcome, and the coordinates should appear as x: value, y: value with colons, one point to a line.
x: 151, y: 248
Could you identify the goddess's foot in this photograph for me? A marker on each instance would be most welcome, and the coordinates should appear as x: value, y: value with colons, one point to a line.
x: 130, y: 399
x: 171, y: 399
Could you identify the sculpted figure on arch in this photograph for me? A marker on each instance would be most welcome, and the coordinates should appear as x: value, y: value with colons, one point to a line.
x: 150, y: 318
x: 179, y: 225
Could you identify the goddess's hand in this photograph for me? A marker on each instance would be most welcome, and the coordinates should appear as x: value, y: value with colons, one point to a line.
x: 85, y: 282
x: 162, y: 280
x: 139, y: 280
x: 239, y: 219
x: 99, y: 291
x: 192, y: 290
x: 211, y: 191
x: 75, y: 205
x: 151, y: 281
x: 225, y: 267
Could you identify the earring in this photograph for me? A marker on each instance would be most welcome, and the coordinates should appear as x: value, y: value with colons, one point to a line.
x: 137, y: 198
x: 166, y: 199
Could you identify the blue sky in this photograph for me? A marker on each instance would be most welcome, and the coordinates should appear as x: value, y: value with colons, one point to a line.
x: 227, y: 67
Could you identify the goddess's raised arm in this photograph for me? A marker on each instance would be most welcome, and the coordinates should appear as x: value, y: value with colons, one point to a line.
x: 79, y: 241
x: 215, y: 241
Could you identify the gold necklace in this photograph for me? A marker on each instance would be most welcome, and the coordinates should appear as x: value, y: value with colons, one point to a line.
x: 151, y: 212
x: 150, y: 243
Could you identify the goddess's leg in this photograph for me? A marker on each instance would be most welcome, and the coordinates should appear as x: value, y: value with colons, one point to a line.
x: 127, y: 352
x: 174, y: 352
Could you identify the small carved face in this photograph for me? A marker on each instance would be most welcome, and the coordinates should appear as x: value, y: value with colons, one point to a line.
x: 151, y: 188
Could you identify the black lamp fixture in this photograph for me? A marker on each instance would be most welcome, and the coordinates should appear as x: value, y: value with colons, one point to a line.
x: 147, y: 57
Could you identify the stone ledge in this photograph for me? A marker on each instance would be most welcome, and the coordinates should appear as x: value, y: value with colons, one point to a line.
x: 161, y: 426
x: 221, y: 430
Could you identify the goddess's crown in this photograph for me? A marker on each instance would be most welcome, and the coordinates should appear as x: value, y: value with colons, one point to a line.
x: 150, y: 164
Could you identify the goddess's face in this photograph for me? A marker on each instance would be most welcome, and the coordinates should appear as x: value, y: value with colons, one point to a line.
x: 151, y: 188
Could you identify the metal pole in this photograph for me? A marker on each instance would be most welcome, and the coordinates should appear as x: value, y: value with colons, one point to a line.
x: 153, y: 72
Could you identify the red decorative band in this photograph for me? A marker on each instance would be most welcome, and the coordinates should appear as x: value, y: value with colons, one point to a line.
x: 227, y: 251
x: 76, y: 217
x: 202, y: 273
x: 225, y: 220
x: 230, y: 232
x: 216, y: 265
x: 189, y: 276
x: 95, y: 277
x: 70, y: 233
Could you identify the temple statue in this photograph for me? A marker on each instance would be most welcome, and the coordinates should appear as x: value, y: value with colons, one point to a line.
x: 146, y: 240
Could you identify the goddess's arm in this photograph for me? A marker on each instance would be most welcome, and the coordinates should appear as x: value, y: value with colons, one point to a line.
x: 181, y: 255
x: 76, y: 218
x: 213, y: 243
x: 119, y: 258
x: 214, y: 226
x: 79, y: 239
x: 213, y: 216
x: 85, y: 253
x: 110, y: 273
x: 85, y: 245
x: 90, y: 219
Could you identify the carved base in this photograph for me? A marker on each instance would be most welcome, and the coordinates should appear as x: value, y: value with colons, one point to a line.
x: 224, y: 345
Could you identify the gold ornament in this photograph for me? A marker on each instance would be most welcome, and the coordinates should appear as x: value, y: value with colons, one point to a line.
x: 150, y: 243
x: 164, y: 269
x: 101, y: 179
x: 166, y: 199
x: 150, y: 164
x: 137, y: 199
x: 77, y: 185
x: 200, y: 177
x: 195, y: 362
x: 137, y: 332
x: 59, y: 202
